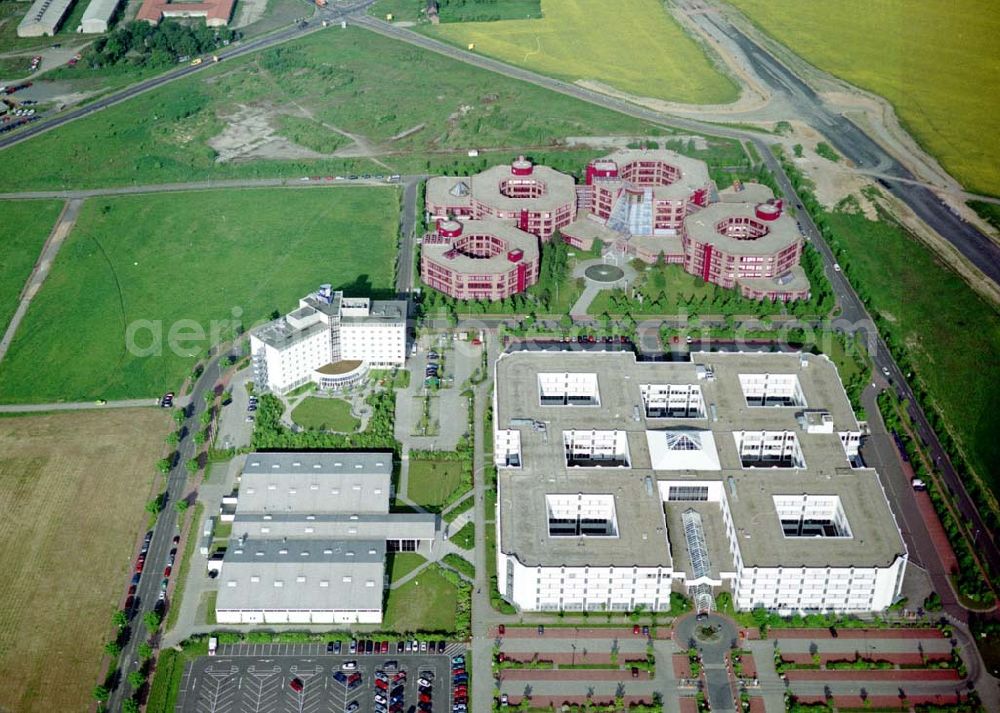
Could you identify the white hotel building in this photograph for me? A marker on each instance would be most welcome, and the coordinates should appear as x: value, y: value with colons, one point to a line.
x: 621, y: 481
x: 331, y: 340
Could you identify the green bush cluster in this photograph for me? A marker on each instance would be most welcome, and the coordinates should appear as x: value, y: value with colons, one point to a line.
x: 459, y: 563
x: 270, y: 433
x: 140, y: 44
x: 463, y: 614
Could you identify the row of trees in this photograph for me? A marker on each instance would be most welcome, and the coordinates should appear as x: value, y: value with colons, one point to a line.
x: 143, y: 45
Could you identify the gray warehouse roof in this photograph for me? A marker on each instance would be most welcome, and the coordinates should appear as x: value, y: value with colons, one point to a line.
x: 43, y: 18
x: 309, y: 575
x: 98, y: 14
x: 316, y: 483
x: 395, y: 526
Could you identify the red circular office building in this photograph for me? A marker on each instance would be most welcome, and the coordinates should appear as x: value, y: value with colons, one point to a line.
x: 479, y: 259
x: 536, y: 199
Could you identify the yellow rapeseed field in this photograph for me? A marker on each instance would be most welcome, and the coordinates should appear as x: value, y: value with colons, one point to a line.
x: 633, y: 46
x: 937, y: 62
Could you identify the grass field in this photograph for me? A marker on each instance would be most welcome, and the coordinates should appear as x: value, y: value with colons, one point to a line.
x: 325, y: 415
x: 354, y: 80
x: 197, y: 257
x: 401, y: 564
x: 426, y: 603
x: 26, y: 225
x: 432, y: 481
x: 617, y: 44
x: 936, y: 62
x: 72, y: 491
x: 466, y: 537
x: 948, y: 330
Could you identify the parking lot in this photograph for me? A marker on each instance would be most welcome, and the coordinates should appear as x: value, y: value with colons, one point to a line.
x: 257, y: 677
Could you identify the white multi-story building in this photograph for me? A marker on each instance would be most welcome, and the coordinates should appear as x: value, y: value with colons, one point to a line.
x: 622, y: 481
x: 331, y: 340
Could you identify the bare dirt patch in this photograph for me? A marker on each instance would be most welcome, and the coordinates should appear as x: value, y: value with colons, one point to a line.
x: 250, y: 134
x: 248, y: 12
x: 72, y: 490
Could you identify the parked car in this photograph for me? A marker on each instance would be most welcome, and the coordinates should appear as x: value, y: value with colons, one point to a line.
x: 349, y: 666
x: 400, y: 647
x: 501, y: 630
x: 354, y: 646
x: 296, y: 685
x: 441, y: 647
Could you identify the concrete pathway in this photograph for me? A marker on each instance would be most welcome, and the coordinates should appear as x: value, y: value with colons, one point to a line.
x: 65, y: 223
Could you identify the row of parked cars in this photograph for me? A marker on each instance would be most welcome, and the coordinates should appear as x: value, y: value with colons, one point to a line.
x: 459, y: 685
x: 140, y: 565
x: 366, y: 646
x: 389, y: 694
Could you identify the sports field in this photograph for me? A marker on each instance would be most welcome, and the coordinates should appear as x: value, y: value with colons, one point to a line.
x: 24, y: 226
x: 937, y: 62
x: 409, y: 107
x: 72, y: 491
x: 633, y: 46
x: 162, y: 263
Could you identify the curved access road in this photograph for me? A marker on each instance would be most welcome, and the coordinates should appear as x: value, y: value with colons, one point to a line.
x: 851, y: 141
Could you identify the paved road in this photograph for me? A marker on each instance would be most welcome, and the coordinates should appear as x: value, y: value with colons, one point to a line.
x: 163, y: 533
x: 77, y: 405
x: 296, y: 182
x: 67, y: 218
x: 409, y: 221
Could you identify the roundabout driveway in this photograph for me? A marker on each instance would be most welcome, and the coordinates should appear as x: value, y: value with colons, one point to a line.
x: 599, y: 275
x: 714, y: 636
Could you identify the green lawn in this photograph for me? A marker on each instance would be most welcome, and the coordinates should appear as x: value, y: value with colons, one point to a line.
x: 463, y: 506
x: 615, y: 43
x: 488, y: 10
x: 353, y: 80
x: 426, y: 603
x: 949, y: 332
x: 325, y: 415
x: 401, y: 10
x: 466, y: 537
x: 935, y: 61
x: 401, y: 564
x: 432, y: 481
x: 25, y: 227
x: 176, y: 263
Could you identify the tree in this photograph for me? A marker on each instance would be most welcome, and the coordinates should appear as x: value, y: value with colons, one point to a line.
x: 181, y: 505
x: 154, y: 506
x: 209, y: 396
x: 163, y: 465
x: 101, y: 694
x: 192, y: 465
x: 119, y: 619
x: 130, y: 705
x: 179, y: 416
x: 173, y: 438
x: 152, y: 622
x: 112, y: 649
x: 136, y: 679
x: 199, y: 438
x: 145, y: 651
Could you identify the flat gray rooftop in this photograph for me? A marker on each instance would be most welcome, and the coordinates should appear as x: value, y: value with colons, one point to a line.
x: 390, y: 526
x: 314, y: 483
x: 875, y: 540
x: 302, y: 575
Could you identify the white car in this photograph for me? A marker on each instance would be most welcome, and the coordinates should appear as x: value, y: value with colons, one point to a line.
x: 836, y: 267
x: 349, y: 666
x: 885, y: 371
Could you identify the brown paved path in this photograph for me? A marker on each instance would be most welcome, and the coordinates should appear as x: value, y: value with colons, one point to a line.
x: 921, y: 633
x: 922, y: 674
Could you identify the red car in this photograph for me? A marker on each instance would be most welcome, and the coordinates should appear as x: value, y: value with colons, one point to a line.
x: 385, y: 647
x: 129, y: 602
x: 296, y: 685
x: 424, y: 698
x: 501, y: 630
x: 381, y: 685
x: 139, y: 564
x: 635, y: 629
x: 166, y: 571
x: 131, y: 589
